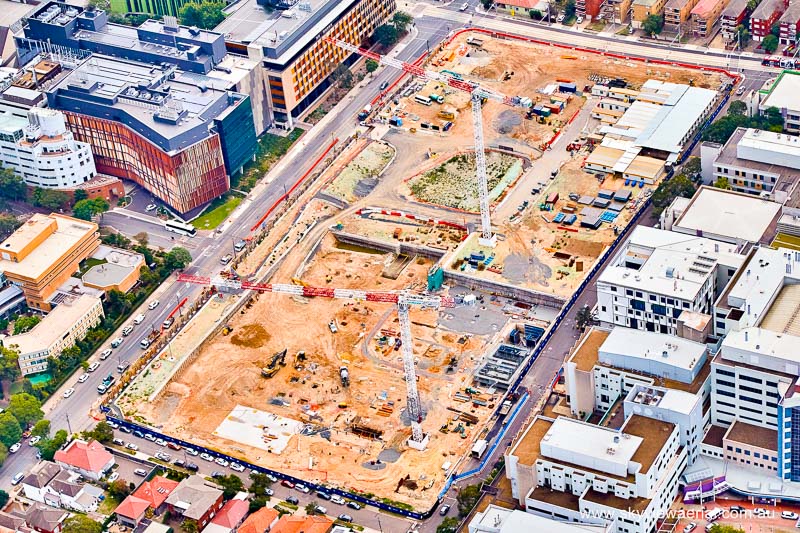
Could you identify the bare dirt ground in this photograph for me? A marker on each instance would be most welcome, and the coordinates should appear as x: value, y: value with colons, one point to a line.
x: 228, y: 373
x: 384, y: 227
x: 361, y: 174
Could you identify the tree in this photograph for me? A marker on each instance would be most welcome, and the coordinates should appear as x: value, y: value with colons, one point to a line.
x: 775, y: 29
x: 26, y: 409
x: 119, y: 489
x: 12, y: 187
x: 26, y: 323
x: 205, y: 14
x: 770, y: 43
x: 448, y: 525
x: 386, y: 35
x: 79, y: 195
x: 142, y: 238
x: 10, y: 432
x: 177, y: 258
x: 667, y: 191
x: 259, y: 483
x: 653, y: 24
x: 584, y: 317
x: 49, y: 447
x: 343, y: 75
x: 692, y: 167
x: 401, y: 20
x: 774, y: 116
x: 737, y: 107
x: 41, y: 429
x: 102, y: 432
x: 569, y: 9
x: 231, y: 484
x: 189, y: 526
x: 725, y: 528
x: 9, y: 364
x: 257, y: 502
x: 86, y: 209
x: 3, y: 498
x: 3, y: 453
x: 467, y: 498
x: 487, y: 4
x: 752, y: 4
x: 80, y: 523
x: 744, y: 35
x: 49, y: 198
x: 311, y: 508
x: 536, y: 14
x: 8, y: 224
x: 722, y: 183
x: 372, y: 65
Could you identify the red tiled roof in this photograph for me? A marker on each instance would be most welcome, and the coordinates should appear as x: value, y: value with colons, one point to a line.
x: 302, y: 524
x: 527, y: 4
x: 132, y: 507
x: 231, y: 514
x: 260, y: 521
x: 90, y: 456
x: 155, y: 492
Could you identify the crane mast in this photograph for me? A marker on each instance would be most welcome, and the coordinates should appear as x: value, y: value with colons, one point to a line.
x: 477, y: 94
x: 404, y: 300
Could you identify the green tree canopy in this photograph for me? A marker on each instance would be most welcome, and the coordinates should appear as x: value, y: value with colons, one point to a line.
x: 10, y: 432
x: 448, y: 525
x: 584, y: 317
x: 722, y: 183
x: 653, y: 24
x: 770, y: 43
x: 41, y: 429
x: 205, y: 14
x: 3, y: 498
x: 386, y: 35
x: 8, y: 224
x: 401, y: 20
x: 49, y: 447
x: 12, y: 187
x: 737, y: 107
x: 27, y: 409
x: 102, y: 432
x: 467, y: 498
x: 79, y: 195
x: 80, y: 523
x: 311, y: 508
x: 177, y: 258
x: 119, y: 489
x: 667, y: 191
x: 569, y: 9
x: 692, y: 167
x: 49, y: 198
x: 9, y: 363
x: 744, y: 35
x: 725, y: 528
x: 86, y: 209
x: 372, y: 65
x: 26, y: 323
x: 231, y: 484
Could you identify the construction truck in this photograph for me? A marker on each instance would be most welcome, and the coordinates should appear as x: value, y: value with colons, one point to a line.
x: 344, y: 375
x: 447, y: 115
x: 479, y: 448
x: 332, y: 326
x: 438, y: 98
x: 365, y: 112
x: 278, y: 360
x: 505, y: 408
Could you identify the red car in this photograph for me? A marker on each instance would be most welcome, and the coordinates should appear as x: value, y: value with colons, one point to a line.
x: 286, y: 483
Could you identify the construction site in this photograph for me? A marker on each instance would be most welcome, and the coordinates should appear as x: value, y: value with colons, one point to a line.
x: 309, y: 377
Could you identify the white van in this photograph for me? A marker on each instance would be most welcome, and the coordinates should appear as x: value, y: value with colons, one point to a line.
x: 17, y: 479
x: 464, y: 6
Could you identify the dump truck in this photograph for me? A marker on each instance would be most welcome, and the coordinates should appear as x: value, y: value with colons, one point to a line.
x: 505, y: 408
x: 365, y: 112
x: 439, y: 99
x: 344, y: 375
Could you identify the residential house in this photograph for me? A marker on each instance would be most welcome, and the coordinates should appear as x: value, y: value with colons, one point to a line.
x: 48, y: 483
x: 733, y: 15
x: 131, y: 511
x: 790, y: 24
x: 151, y: 494
x: 230, y: 516
x: 89, y: 459
x: 259, y: 522
x: 196, y: 499
x: 15, y: 522
x: 302, y: 524
x: 45, y: 519
x: 765, y: 15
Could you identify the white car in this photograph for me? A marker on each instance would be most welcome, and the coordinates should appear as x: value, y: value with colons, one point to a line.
x: 237, y: 467
x: 150, y: 437
x: 338, y: 500
x: 15, y: 447
x: 34, y: 440
x: 69, y: 392
x: 113, y: 477
x: 82, y: 378
x: 302, y: 488
x: 321, y: 510
x: 150, y: 207
x: 789, y: 515
x: 221, y: 462
x: 689, y: 528
x: 161, y: 442
x: 560, y: 18
x: 152, y: 305
x: 105, y: 354
x: 760, y: 511
x: 163, y: 456
x: 206, y: 457
x: 191, y: 452
x: 139, y: 319
x: 132, y: 446
x: 94, y: 366
x: 116, y: 342
x: 579, y: 19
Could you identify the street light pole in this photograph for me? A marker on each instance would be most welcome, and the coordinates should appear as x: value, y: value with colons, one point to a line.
x: 69, y: 427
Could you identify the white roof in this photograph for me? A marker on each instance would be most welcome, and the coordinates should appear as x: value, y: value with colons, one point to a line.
x: 678, y: 401
x: 647, y: 345
x: 715, y: 211
x: 673, y: 264
x: 763, y: 348
x: 684, y: 107
x: 784, y: 92
x: 770, y: 148
x: 589, y: 446
x: 497, y: 519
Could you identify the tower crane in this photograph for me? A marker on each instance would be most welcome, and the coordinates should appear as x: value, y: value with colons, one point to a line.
x: 477, y: 95
x: 404, y: 299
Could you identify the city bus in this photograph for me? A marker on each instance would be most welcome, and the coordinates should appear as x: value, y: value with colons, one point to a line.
x: 424, y: 100
x: 176, y: 226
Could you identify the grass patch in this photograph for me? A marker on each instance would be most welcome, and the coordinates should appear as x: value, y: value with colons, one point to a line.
x: 108, y: 505
x: 597, y: 25
x: 270, y: 149
x: 90, y: 262
x: 287, y: 505
x: 219, y: 210
x: 623, y: 31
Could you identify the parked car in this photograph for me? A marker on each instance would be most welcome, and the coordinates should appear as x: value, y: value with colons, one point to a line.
x: 444, y: 509
x: 137, y: 433
x: 112, y: 424
x: 760, y: 511
x: 139, y: 318
x: 560, y: 18
x: 119, y: 442
x: 15, y: 447
x: 132, y: 446
x: 168, y: 323
x: 94, y: 366
x: 240, y: 245
x: 320, y: 509
x: 302, y: 488
x: 221, y: 462
x: 205, y: 457
x: 127, y: 330
x: 345, y: 517
x: 69, y: 392
x: 149, y: 437
x: 690, y: 527
x: 291, y: 499
x: 738, y: 509
x: 163, y: 456
x: 150, y: 207
x: 236, y: 467
x: 152, y: 305
x: 269, y: 492
x: 18, y: 477
x: 338, y: 499
x: 192, y: 452
x: 161, y: 442
x: 125, y: 429
x: 225, y: 259
x: 322, y: 495
x: 140, y: 472
x: 113, y: 477
x: 272, y: 478
x: 217, y: 474
x: 193, y: 467
x: 354, y: 505
x: 173, y: 446
x: 789, y: 515
x: 287, y: 483
x: 83, y: 378
x: 116, y: 342
x: 579, y: 19
x: 34, y: 440
x: 740, y: 90
x: 105, y: 354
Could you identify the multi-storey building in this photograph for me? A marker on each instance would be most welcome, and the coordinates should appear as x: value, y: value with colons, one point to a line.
x: 658, y: 275
x: 57, y: 24
x: 644, y: 8
x: 755, y: 162
x: 764, y: 16
x: 179, y: 135
x: 782, y: 94
x: 730, y: 19
x: 44, y: 252
x: 705, y: 15
x: 41, y: 150
x: 677, y: 14
x: 496, y: 519
x: 790, y: 24
x: 651, y: 374
x: 288, y: 44
x: 572, y: 471
x: 59, y: 330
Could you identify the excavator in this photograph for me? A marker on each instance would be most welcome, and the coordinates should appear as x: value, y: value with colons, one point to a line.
x: 278, y: 360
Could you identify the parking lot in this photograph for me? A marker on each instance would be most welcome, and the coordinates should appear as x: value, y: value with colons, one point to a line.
x: 126, y: 464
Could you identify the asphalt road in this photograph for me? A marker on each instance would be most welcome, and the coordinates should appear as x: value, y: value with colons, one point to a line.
x: 340, y: 123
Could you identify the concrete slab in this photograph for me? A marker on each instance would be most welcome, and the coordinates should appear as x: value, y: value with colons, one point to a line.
x: 258, y: 429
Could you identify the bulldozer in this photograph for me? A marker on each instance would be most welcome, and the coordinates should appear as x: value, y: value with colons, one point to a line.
x: 278, y: 360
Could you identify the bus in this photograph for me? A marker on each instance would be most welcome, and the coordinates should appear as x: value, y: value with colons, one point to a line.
x: 176, y: 226
x: 424, y: 100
